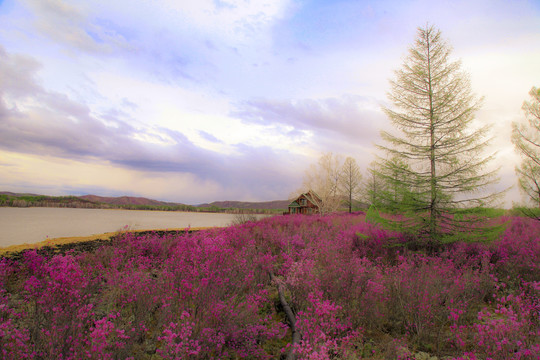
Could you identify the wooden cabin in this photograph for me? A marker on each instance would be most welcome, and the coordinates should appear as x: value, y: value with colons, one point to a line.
x: 306, y: 203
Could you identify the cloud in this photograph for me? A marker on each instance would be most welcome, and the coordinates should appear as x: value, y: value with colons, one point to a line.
x: 213, y: 92
x: 63, y: 128
x: 209, y: 137
x: 70, y: 24
x: 38, y: 122
x: 350, y: 117
x: 172, y: 40
x: 34, y: 119
x: 16, y: 74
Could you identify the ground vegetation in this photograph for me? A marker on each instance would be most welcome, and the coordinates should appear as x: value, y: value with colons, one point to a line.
x: 353, y: 290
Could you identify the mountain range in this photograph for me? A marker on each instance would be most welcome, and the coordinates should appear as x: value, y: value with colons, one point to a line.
x: 139, y: 201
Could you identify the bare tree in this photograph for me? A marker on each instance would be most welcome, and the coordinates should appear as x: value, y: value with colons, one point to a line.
x: 323, y: 178
x: 526, y: 139
x: 442, y: 165
x: 350, y: 181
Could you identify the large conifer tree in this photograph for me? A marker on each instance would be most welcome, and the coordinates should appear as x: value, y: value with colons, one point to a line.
x: 526, y: 138
x: 437, y: 160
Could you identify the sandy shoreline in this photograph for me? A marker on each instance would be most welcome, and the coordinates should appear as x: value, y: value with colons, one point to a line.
x: 78, y: 239
x: 35, y: 225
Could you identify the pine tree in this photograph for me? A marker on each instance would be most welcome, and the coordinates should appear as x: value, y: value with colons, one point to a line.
x: 526, y: 138
x: 436, y: 162
x: 374, y: 187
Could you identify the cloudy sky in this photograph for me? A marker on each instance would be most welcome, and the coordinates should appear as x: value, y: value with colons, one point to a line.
x: 195, y: 101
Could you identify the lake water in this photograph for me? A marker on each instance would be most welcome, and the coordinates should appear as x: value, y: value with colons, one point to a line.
x: 32, y: 225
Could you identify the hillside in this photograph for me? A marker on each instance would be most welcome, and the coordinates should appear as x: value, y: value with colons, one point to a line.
x: 125, y: 200
x: 9, y: 193
x: 128, y: 202
x: 88, y: 201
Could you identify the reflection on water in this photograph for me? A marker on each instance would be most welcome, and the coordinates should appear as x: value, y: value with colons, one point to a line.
x: 31, y: 225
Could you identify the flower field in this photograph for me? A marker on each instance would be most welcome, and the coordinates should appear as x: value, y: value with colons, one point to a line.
x: 354, y: 290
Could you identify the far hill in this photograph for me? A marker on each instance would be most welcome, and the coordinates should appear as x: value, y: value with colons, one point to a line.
x: 125, y: 200
x: 9, y: 193
x: 133, y: 203
x: 89, y: 202
x: 264, y: 205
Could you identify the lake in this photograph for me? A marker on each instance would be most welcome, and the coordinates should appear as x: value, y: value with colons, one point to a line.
x: 34, y: 224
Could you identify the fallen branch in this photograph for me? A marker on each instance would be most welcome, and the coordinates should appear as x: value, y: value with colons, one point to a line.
x: 290, y: 317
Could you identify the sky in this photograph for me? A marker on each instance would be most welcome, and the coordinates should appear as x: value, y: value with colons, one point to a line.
x: 198, y: 101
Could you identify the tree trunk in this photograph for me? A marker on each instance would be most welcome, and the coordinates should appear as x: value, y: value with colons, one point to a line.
x: 433, y: 179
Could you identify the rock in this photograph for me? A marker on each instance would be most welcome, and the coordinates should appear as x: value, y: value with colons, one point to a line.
x: 424, y: 356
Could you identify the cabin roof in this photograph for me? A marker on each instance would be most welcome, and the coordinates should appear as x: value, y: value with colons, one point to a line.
x: 311, y: 196
x: 294, y: 204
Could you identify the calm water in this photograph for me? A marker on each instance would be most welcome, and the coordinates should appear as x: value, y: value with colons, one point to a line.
x: 31, y: 225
